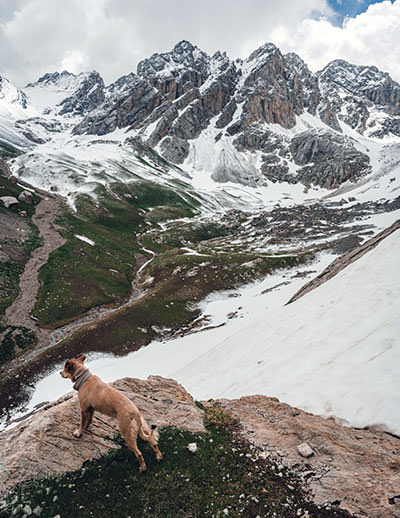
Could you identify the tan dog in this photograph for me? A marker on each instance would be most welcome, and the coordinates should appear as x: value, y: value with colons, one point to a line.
x: 94, y: 394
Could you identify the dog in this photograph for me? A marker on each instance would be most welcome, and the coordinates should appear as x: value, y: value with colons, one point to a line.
x: 95, y: 395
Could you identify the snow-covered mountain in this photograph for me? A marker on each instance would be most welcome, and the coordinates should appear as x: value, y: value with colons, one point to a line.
x: 220, y: 122
x: 66, y: 93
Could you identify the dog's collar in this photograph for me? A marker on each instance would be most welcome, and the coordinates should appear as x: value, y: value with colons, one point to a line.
x: 81, y: 378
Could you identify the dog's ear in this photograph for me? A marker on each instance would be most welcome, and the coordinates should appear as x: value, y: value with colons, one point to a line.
x: 69, y: 366
x: 81, y: 357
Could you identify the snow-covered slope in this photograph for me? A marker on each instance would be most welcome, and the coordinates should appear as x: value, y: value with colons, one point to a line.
x: 66, y: 93
x: 13, y: 101
x: 336, y: 351
x: 333, y: 352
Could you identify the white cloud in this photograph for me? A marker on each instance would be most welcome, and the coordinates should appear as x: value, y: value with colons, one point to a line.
x: 112, y: 36
x: 371, y: 38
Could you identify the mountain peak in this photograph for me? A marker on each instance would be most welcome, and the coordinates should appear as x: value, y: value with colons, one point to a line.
x: 267, y: 49
x: 183, y: 46
x: 183, y: 55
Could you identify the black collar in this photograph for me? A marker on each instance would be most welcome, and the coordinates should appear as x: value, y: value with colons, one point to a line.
x: 81, y: 378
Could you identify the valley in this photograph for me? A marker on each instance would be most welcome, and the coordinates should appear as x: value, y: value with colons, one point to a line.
x: 231, y: 224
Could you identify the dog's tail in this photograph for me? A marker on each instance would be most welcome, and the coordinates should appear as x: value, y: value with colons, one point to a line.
x: 145, y: 432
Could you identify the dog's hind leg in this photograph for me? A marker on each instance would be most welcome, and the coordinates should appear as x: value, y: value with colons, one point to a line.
x: 151, y: 437
x: 86, y: 419
x: 129, y: 430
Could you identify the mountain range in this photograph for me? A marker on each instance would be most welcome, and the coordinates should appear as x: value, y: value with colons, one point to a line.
x: 257, y: 121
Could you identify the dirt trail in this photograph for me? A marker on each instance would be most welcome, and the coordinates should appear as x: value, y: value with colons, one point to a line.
x: 344, y: 260
x: 19, y: 313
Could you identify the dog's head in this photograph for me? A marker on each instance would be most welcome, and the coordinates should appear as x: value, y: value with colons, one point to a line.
x: 72, y: 367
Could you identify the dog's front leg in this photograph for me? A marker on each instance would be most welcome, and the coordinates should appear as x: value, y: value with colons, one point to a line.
x: 86, y: 419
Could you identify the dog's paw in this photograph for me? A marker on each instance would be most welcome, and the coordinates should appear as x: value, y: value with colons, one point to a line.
x: 159, y: 457
x: 142, y: 468
x: 77, y: 433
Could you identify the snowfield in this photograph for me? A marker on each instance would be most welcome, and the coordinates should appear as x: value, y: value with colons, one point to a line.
x: 334, y: 352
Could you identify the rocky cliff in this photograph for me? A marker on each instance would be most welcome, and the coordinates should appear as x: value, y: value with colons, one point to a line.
x: 357, y: 470
x: 179, y: 98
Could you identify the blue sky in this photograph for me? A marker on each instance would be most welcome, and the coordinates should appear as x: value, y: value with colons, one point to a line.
x: 350, y: 8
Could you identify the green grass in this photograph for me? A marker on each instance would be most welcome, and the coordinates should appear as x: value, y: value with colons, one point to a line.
x: 78, y: 276
x: 8, y: 151
x: 180, y: 281
x: 13, y: 338
x: 224, y: 477
x: 9, y: 289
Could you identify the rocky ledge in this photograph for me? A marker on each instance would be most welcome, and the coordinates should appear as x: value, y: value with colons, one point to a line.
x: 359, y: 470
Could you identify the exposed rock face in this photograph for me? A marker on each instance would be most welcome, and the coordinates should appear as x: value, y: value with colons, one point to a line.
x: 329, y: 159
x: 45, y: 444
x: 181, y: 99
x: 178, y: 95
x: 130, y: 100
x: 355, y: 91
x: 266, y: 91
x: 174, y: 149
x: 233, y: 167
x: 358, y: 468
x: 89, y: 96
x: 367, y: 81
x: 77, y: 94
x: 185, y: 62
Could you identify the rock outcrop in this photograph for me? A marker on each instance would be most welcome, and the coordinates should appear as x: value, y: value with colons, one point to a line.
x: 45, y: 443
x: 328, y: 159
x: 191, y: 108
x: 178, y: 95
x: 356, y: 91
x: 357, y: 469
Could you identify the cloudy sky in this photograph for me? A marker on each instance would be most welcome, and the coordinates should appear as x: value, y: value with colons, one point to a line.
x: 112, y: 36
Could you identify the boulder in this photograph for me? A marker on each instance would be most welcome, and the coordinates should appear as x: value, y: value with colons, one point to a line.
x: 26, y: 197
x: 9, y: 202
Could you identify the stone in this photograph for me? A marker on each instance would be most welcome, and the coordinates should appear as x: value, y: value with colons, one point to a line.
x: 328, y: 159
x: 174, y: 149
x: 305, y: 450
x: 26, y: 197
x: 9, y: 202
x: 192, y: 447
